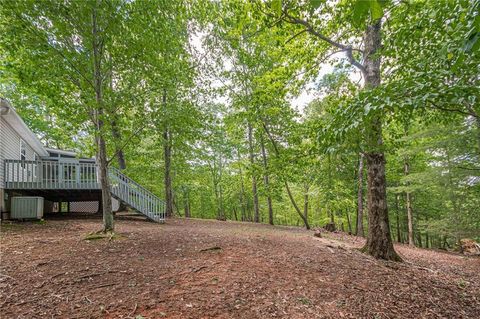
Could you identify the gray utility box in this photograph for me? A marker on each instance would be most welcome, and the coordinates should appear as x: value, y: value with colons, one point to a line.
x: 26, y: 207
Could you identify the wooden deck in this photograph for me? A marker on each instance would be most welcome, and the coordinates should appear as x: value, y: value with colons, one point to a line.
x: 75, y: 181
x: 21, y: 174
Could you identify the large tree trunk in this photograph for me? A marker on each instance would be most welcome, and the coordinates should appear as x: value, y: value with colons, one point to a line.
x: 167, y: 153
x: 408, y: 202
x: 359, y: 229
x: 256, y: 212
x: 108, y: 223
x: 379, y: 241
x: 267, y: 183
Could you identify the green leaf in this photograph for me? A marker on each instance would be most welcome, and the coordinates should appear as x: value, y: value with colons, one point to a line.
x: 376, y: 10
x: 360, y: 10
x: 277, y: 6
x: 315, y: 3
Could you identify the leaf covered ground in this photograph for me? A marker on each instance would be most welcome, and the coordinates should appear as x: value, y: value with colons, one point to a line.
x: 212, y: 269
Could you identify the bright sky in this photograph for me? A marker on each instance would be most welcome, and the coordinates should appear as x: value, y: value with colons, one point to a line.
x: 307, y: 94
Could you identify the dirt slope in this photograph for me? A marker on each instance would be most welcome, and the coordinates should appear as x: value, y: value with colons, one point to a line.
x: 177, y: 271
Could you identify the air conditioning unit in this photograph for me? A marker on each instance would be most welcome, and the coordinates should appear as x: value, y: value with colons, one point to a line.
x: 26, y: 207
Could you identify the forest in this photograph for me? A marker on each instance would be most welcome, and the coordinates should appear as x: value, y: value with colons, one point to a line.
x: 360, y: 115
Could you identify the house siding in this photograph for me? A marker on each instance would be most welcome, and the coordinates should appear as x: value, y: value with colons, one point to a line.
x: 9, y: 149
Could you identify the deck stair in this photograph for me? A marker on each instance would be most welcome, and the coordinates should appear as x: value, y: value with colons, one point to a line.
x: 65, y: 178
x: 136, y: 196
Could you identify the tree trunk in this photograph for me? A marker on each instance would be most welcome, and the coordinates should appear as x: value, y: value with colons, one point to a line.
x: 186, y: 204
x: 221, y: 208
x: 292, y: 199
x: 297, y: 209
x: 397, y: 214
x: 379, y: 241
x: 242, y: 196
x: 408, y: 203
x: 349, y: 222
x: 305, y: 203
x: 108, y: 223
x: 330, y: 211
x: 235, y: 215
x: 256, y: 213
x: 167, y: 153
x: 267, y: 183
x: 359, y: 230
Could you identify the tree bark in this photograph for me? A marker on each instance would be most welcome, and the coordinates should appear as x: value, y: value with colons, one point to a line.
x: 186, y: 203
x: 297, y: 209
x: 292, y: 199
x: 267, y: 183
x: 349, y: 222
x: 379, y: 241
x: 408, y: 204
x: 397, y: 214
x: 359, y: 230
x: 167, y: 154
x: 108, y: 222
x: 305, y: 203
x: 256, y: 212
x: 242, y: 198
x: 122, y: 164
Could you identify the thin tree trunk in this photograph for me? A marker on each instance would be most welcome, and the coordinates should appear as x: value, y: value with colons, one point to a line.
x: 108, y: 222
x: 379, y: 241
x: 408, y: 203
x: 290, y: 196
x: 359, y: 229
x: 242, y: 196
x: 330, y: 188
x: 397, y: 214
x: 235, y: 213
x: 349, y: 222
x: 267, y: 183
x: 305, y: 203
x: 186, y: 203
x: 221, y: 208
x: 122, y: 164
x: 167, y: 153
x: 297, y: 209
x: 256, y: 212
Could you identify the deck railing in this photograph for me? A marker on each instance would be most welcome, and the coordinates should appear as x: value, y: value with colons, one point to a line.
x: 22, y: 174
x: 135, y: 195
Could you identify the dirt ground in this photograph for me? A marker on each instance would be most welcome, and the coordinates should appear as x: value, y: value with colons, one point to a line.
x: 212, y: 269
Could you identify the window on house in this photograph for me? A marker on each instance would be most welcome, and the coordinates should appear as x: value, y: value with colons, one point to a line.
x: 23, y: 152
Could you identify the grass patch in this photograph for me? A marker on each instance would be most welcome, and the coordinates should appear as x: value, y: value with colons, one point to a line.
x: 101, y: 235
x: 305, y: 301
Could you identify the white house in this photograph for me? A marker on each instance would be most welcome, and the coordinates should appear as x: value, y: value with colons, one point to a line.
x: 27, y: 168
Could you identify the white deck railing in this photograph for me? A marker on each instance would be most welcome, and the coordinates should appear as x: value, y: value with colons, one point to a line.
x: 21, y: 174
x: 31, y: 175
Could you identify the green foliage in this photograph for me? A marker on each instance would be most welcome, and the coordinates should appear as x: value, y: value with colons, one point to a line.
x: 251, y: 63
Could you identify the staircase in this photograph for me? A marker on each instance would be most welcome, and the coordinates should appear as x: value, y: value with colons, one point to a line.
x: 137, y: 197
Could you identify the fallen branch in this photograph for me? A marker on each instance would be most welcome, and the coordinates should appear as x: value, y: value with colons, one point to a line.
x: 199, y: 268
x: 211, y: 248
x: 103, y: 286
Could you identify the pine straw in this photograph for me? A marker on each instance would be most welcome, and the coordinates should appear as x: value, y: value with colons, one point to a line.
x: 260, y: 272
